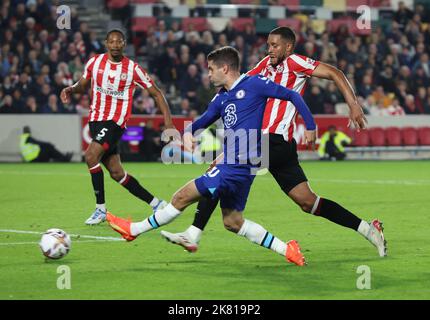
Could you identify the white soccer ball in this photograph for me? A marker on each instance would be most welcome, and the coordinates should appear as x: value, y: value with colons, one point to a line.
x: 55, y: 244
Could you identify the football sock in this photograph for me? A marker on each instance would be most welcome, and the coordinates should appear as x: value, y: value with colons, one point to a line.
x: 335, y: 213
x: 194, y: 233
x: 204, y: 210
x: 101, y: 206
x: 98, y: 183
x: 363, y: 228
x: 154, y: 202
x: 159, y: 218
x: 134, y: 187
x: 257, y: 234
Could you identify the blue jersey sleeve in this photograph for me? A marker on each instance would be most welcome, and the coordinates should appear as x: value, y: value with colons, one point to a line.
x: 269, y: 89
x: 210, y: 116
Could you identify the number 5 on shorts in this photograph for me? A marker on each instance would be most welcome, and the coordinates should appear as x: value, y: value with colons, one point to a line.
x: 101, y: 134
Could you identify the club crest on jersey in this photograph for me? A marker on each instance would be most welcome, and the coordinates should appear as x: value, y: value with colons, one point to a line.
x: 240, y: 94
x: 123, y: 76
x: 309, y: 60
x: 280, y: 68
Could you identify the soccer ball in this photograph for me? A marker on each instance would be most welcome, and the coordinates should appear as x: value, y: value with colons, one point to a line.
x: 55, y: 244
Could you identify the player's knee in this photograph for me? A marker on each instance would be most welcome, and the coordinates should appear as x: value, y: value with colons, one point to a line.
x: 232, y: 225
x: 179, y: 199
x: 90, y: 158
x: 117, y: 175
x: 308, y: 204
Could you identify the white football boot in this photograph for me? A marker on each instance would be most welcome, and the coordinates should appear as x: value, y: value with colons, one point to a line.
x: 182, y: 239
x: 97, y: 217
x: 376, y: 237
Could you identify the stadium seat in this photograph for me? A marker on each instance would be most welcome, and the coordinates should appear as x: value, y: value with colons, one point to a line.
x: 335, y: 5
x: 424, y: 136
x: 354, y: 4
x: 410, y: 136
x: 290, y: 4
x: 239, y: 24
x: 314, y: 3
x: 361, y: 139
x: 142, y: 24
x: 265, y: 25
x: 144, y: 1
x: 116, y: 4
x: 394, y: 137
x: 196, y: 24
x: 242, y: 1
x: 377, y: 137
x: 294, y: 24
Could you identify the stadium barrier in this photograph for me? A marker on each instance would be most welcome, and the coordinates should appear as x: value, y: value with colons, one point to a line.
x: 69, y: 133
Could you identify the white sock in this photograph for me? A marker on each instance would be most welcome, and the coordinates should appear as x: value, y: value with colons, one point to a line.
x: 257, y: 234
x: 363, y: 228
x: 154, y: 202
x: 159, y: 218
x: 194, y: 233
x: 101, y: 206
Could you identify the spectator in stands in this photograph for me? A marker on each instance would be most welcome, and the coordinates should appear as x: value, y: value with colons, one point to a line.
x: 53, y: 105
x: 332, y: 144
x: 403, y: 15
x: 31, y: 105
x: 33, y: 150
x: 6, y: 104
x: 394, y: 109
x: 205, y: 93
x: 410, y: 106
x: 185, y: 107
x: 190, y: 83
x: 421, y: 99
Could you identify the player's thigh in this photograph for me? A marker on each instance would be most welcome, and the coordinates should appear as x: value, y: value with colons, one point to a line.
x: 94, y: 153
x: 186, y: 196
x: 288, y: 176
x: 107, y: 134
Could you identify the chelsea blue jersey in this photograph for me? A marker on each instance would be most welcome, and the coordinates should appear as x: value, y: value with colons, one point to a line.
x: 241, y: 108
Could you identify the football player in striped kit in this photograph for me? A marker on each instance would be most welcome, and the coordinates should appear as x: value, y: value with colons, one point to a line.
x: 291, y: 70
x: 113, y: 78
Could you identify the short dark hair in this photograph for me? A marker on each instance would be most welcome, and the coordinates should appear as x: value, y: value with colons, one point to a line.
x: 225, y: 55
x: 286, y: 33
x: 116, y: 30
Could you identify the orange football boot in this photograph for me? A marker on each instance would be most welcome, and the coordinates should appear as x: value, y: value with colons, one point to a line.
x: 294, y: 255
x: 122, y: 226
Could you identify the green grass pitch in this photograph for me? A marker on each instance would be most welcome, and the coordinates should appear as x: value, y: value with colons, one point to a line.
x: 35, y: 197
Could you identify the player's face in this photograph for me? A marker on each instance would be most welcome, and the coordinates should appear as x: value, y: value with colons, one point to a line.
x: 216, y: 74
x: 277, y: 49
x: 115, y: 45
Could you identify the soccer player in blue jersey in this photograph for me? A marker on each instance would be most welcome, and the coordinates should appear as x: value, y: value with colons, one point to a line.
x: 240, y: 103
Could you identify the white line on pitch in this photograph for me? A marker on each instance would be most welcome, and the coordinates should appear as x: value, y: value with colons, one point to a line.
x: 33, y: 242
x: 71, y: 235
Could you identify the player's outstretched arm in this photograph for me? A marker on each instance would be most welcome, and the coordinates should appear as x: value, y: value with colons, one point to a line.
x: 78, y: 87
x: 356, y: 114
x: 161, y: 102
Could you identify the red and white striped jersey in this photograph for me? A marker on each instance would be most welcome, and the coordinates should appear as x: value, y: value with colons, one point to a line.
x: 279, y: 115
x: 112, y: 87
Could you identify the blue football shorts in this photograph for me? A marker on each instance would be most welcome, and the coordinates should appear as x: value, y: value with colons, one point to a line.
x: 230, y: 183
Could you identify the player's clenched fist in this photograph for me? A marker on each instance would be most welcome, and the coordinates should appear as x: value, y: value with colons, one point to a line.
x: 65, y: 95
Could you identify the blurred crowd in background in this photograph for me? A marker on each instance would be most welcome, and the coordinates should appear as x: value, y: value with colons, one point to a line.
x: 390, y: 70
